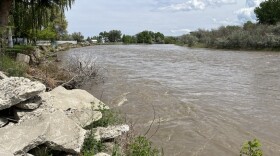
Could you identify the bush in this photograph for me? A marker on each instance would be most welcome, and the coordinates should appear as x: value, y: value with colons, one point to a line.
x: 11, y: 67
x: 91, y: 146
x: 141, y: 146
x: 251, y: 148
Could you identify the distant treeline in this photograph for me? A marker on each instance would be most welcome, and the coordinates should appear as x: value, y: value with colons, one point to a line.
x: 146, y: 37
x: 263, y: 35
x: 248, y: 36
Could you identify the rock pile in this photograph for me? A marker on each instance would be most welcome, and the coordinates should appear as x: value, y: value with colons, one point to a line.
x: 30, y: 117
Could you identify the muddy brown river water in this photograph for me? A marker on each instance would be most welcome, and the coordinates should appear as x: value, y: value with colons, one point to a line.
x: 206, y: 102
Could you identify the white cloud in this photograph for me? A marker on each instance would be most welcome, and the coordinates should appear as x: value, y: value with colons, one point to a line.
x: 195, y: 5
x: 247, y: 13
x: 224, y: 22
x: 181, y: 30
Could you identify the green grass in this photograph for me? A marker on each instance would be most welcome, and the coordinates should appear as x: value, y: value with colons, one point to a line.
x: 11, y: 67
x: 141, y: 146
x: 24, y: 49
x: 91, y: 146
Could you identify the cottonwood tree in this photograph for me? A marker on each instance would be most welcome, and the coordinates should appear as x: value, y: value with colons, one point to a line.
x: 30, y: 16
x: 268, y: 12
x: 6, y: 6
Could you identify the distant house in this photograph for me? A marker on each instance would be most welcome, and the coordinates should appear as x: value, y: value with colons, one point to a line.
x: 94, y: 41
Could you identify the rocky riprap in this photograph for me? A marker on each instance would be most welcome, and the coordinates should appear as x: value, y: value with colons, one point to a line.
x: 30, y: 117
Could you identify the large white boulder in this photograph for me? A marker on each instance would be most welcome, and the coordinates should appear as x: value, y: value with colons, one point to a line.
x: 75, y: 99
x: 84, y: 117
x: 14, y: 90
x: 55, y: 130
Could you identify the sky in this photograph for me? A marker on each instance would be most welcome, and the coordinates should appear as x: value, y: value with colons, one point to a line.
x: 170, y: 17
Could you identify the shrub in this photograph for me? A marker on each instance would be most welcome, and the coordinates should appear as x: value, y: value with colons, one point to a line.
x: 11, y: 67
x: 91, y: 146
x: 141, y: 146
x: 251, y: 148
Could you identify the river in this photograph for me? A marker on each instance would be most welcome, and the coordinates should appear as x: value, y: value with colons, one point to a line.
x: 206, y: 102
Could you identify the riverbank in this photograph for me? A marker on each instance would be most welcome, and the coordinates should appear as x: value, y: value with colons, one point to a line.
x: 50, y: 72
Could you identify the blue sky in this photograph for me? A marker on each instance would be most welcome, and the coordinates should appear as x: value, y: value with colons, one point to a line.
x: 171, y: 17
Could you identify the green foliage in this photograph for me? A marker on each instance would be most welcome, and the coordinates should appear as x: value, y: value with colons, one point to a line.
x: 159, y: 38
x: 141, y: 146
x: 116, y: 150
x: 251, y: 148
x: 109, y: 117
x: 145, y: 37
x: 127, y: 39
x: 189, y: 39
x: 114, y: 35
x: 77, y: 36
x: 46, y: 34
x: 249, y: 36
x: 91, y: 146
x: 170, y: 40
x: 11, y: 67
x: 39, y: 14
x: 268, y: 12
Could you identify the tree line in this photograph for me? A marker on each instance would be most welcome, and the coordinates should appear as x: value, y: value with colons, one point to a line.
x: 265, y: 34
x: 146, y: 37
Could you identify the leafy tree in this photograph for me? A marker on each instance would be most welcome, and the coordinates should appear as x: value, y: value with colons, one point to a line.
x: 77, y: 36
x: 159, y: 37
x: 268, y: 12
x: 114, y: 35
x: 127, y: 39
x: 104, y: 35
x: 39, y: 9
x: 46, y: 34
x: 189, y: 39
x: 170, y: 40
x: 145, y: 37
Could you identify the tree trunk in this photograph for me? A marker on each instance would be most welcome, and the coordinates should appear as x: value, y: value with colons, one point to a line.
x: 5, y: 7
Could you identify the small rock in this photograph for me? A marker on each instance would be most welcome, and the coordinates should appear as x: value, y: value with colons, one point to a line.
x: 106, y: 133
x: 23, y: 58
x: 2, y: 75
x: 102, y: 154
x: 3, y: 122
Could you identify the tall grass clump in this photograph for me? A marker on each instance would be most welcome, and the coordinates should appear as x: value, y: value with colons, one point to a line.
x: 11, y: 67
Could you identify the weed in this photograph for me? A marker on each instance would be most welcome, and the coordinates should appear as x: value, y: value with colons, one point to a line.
x: 11, y: 67
x: 91, y: 146
x: 141, y: 146
x: 251, y: 148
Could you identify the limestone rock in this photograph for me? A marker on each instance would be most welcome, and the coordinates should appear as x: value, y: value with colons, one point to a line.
x: 84, y: 117
x: 75, y: 99
x: 14, y: 90
x: 5, y: 153
x: 30, y: 104
x: 105, y: 133
x: 2, y: 75
x: 23, y: 58
x: 3, y: 122
x: 55, y: 130
x: 102, y: 154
